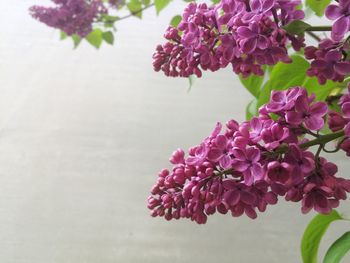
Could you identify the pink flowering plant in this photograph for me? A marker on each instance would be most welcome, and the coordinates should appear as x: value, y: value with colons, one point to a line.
x: 299, y: 115
x: 298, y: 75
x: 93, y: 20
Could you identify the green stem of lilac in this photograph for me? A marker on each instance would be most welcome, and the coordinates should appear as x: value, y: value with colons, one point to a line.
x: 319, y: 28
x: 321, y: 141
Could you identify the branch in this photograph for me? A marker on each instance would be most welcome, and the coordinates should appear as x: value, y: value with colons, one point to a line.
x: 136, y: 12
x: 319, y: 28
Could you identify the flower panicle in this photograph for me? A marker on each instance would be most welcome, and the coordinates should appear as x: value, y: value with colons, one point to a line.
x: 243, y: 168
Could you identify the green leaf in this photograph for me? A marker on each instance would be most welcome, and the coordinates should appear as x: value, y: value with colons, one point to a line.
x: 95, y: 38
x: 321, y: 91
x: 252, y: 84
x: 76, y: 40
x: 251, y: 110
x: 313, y: 235
x: 160, y: 5
x: 297, y: 27
x: 338, y: 249
x: 175, y: 21
x: 135, y: 7
x: 318, y: 6
x: 108, y: 37
x: 63, y: 35
x: 284, y: 76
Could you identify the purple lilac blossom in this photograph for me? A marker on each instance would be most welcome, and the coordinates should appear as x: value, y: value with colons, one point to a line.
x: 328, y: 61
x: 70, y: 16
x: 245, y: 167
x: 245, y: 34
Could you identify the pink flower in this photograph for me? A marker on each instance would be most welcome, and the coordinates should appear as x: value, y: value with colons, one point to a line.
x: 309, y: 115
x: 221, y: 152
x: 279, y: 172
x: 247, y: 162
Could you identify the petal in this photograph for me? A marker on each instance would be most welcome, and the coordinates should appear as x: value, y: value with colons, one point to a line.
x: 228, y: 54
x: 263, y: 42
x: 240, y: 166
x: 271, y: 198
x: 239, y: 154
x: 250, y: 212
x: 268, y: 4
x: 347, y: 130
x: 248, y: 178
x: 225, y: 162
x: 255, y: 124
x: 229, y: 184
x: 216, y: 130
x: 253, y: 154
x: 231, y: 197
x: 257, y: 172
x: 333, y: 55
x: 318, y: 109
x: 314, y: 123
x: 333, y: 12
x: 215, y: 154
x: 340, y: 27
x: 302, y: 104
x: 201, y: 151
x: 307, y: 203
x: 277, y: 131
x: 249, y: 45
x: 308, y: 165
x: 342, y: 68
x: 293, y: 117
x: 322, y: 204
x: 255, y: 5
x: 319, y: 64
x: 245, y: 32
x: 192, y: 160
x: 221, y: 141
x: 248, y: 198
x: 346, y: 109
x: 255, y: 27
x: 278, y: 189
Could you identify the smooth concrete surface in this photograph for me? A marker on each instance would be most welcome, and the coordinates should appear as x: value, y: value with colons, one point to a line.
x: 83, y: 134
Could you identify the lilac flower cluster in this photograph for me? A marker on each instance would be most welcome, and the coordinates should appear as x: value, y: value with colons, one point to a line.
x: 245, y: 167
x: 329, y: 61
x: 70, y: 16
x: 245, y: 34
